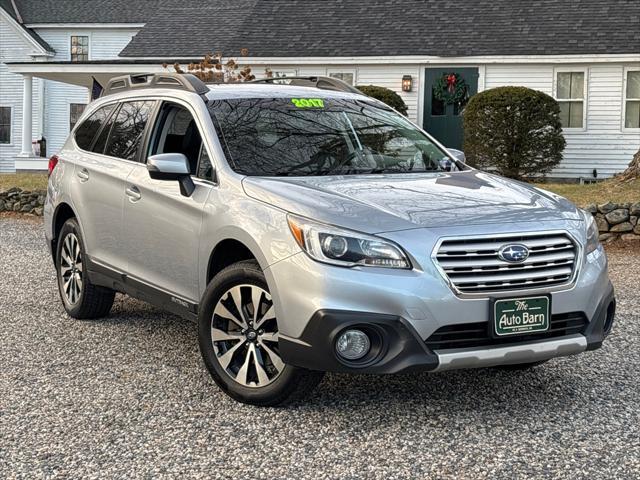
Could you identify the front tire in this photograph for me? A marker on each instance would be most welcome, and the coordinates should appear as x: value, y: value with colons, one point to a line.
x: 238, y: 336
x: 81, y: 299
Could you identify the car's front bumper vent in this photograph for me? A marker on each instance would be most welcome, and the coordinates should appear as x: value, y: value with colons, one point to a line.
x: 473, y: 265
x: 469, y: 335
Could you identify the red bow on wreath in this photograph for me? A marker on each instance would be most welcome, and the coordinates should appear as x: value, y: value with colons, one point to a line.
x: 451, y: 82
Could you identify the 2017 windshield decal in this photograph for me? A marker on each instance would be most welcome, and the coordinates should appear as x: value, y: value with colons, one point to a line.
x: 308, y: 102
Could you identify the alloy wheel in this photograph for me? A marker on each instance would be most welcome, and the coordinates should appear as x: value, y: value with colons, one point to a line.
x: 71, y: 268
x: 244, y: 333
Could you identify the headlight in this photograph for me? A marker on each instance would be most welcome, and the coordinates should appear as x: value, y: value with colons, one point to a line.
x: 336, y: 246
x: 593, y: 234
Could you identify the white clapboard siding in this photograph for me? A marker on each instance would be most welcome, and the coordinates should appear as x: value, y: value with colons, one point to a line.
x: 14, y: 48
x: 603, y: 145
x: 389, y: 76
x: 104, y: 44
x: 58, y: 97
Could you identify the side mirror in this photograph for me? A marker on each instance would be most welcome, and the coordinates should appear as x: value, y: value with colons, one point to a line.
x: 172, y: 166
x: 458, y: 155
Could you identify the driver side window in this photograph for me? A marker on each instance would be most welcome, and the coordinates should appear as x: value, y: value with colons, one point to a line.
x: 177, y: 132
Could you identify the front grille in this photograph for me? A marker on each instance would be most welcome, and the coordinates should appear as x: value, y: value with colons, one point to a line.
x: 468, y: 335
x: 473, y: 266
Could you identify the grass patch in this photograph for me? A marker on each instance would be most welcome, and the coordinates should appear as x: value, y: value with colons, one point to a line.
x: 26, y: 181
x: 581, y: 195
x: 602, y: 192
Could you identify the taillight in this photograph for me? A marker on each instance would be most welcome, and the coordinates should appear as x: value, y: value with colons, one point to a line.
x: 53, y: 161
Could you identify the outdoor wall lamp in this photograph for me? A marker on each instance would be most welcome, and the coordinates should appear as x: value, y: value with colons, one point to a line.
x: 407, y: 83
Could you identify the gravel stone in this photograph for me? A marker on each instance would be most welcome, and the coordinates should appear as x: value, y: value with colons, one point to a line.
x: 630, y: 237
x: 601, y: 223
x: 128, y: 397
x: 622, y: 227
x: 604, y: 237
x: 607, y: 207
x: 617, y: 216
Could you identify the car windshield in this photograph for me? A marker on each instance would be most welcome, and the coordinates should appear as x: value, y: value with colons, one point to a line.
x: 320, y: 136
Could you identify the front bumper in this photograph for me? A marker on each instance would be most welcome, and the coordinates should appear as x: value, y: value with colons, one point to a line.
x: 315, y: 301
x: 402, y: 350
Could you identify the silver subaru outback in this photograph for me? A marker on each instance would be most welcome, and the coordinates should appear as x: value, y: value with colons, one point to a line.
x: 308, y: 228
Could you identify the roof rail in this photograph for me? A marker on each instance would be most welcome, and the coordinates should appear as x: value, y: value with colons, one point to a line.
x: 325, y: 83
x: 178, y: 81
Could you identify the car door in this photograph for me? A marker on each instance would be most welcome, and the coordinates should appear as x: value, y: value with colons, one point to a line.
x: 98, y: 189
x: 162, y: 227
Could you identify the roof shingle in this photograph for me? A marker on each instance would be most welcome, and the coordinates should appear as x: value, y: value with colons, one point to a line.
x: 309, y: 28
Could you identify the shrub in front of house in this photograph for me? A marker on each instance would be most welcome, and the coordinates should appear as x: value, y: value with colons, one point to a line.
x: 514, y: 131
x: 385, y: 95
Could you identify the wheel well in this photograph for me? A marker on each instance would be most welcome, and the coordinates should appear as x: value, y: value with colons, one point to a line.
x: 63, y: 213
x: 226, y: 253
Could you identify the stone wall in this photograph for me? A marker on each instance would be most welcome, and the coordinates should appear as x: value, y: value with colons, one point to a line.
x: 23, y: 201
x: 614, y: 220
x: 617, y: 220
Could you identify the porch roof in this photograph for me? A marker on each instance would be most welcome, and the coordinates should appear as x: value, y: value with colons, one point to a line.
x: 83, y: 73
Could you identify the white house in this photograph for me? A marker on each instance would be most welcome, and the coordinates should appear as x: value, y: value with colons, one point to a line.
x: 586, y: 54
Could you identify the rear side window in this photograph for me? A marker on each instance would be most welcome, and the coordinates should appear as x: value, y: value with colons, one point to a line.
x: 101, y: 142
x: 128, y: 129
x: 87, y: 131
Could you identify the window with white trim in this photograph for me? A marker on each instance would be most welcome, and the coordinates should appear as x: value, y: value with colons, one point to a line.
x: 570, y: 93
x: 79, y: 48
x: 284, y: 73
x: 632, y: 100
x: 348, y: 76
x: 75, y: 111
x: 5, y: 125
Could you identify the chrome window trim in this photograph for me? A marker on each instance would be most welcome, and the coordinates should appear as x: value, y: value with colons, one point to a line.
x: 505, y: 293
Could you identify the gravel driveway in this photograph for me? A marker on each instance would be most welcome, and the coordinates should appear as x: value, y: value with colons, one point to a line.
x: 128, y: 396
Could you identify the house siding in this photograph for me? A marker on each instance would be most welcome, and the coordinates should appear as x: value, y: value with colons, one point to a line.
x: 15, y: 49
x: 104, y: 44
x: 603, y: 144
x: 389, y: 76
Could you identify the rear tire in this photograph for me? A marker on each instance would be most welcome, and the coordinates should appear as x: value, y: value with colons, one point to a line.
x: 81, y: 299
x: 238, y: 331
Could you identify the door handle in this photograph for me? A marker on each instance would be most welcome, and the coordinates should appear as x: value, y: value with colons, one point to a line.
x: 133, y: 193
x: 83, y: 174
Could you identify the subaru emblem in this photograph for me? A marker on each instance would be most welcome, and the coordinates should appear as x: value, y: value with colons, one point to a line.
x: 514, y: 253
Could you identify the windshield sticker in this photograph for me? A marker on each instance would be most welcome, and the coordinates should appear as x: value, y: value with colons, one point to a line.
x: 308, y: 102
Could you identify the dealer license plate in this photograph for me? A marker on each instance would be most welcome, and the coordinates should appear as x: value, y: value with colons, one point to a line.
x: 513, y: 316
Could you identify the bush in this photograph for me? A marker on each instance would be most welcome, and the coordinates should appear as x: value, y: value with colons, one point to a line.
x: 385, y: 95
x: 515, y: 131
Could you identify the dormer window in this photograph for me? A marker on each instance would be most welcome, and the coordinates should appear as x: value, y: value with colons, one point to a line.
x: 79, y: 48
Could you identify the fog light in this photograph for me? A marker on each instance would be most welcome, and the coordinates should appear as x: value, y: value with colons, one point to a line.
x: 353, y: 344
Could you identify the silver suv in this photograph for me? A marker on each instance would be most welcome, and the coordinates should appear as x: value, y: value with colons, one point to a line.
x: 309, y: 228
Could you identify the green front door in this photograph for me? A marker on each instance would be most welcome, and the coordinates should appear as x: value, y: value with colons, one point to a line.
x: 442, y: 120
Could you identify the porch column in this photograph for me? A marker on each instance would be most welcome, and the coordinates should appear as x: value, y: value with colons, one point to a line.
x: 27, y: 111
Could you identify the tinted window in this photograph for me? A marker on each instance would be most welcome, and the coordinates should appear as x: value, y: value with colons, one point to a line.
x: 177, y: 132
x: 87, y: 131
x: 5, y: 124
x: 128, y: 129
x: 314, y: 136
x: 205, y: 167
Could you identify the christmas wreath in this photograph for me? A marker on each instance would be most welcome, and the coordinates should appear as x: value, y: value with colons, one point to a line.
x: 450, y: 88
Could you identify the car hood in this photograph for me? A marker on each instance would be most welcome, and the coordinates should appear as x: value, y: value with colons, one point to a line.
x: 383, y: 203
